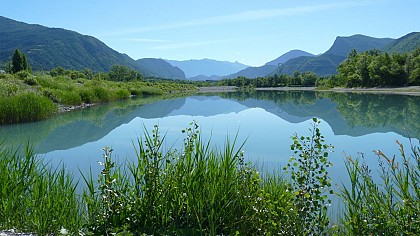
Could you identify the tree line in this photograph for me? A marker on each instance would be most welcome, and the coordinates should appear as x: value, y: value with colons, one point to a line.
x: 373, y: 68
x: 307, y: 79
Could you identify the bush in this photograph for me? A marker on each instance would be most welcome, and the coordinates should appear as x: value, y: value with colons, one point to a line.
x: 88, y: 95
x: 310, y: 181
x: 121, y: 94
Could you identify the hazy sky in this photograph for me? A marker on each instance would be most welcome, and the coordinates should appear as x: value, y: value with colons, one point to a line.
x: 249, y: 31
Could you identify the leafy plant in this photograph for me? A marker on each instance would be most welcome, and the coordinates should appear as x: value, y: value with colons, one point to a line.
x: 311, y: 183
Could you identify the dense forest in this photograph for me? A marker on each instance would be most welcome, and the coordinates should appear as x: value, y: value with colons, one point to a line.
x: 373, y: 68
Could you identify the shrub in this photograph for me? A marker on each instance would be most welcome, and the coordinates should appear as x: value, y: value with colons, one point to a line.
x: 121, y: 94
x: 88, y: 95
x: 310, y: 181
x: 102, y: 94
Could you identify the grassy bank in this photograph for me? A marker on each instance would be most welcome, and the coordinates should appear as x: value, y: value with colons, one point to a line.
x: 205, y: 190
x: 26, y: 97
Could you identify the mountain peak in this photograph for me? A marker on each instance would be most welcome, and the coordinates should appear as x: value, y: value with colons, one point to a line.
x: 344, y: 44
x: 289, y: 55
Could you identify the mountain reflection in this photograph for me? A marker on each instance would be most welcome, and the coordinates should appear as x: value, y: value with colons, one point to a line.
x: 352, y: 114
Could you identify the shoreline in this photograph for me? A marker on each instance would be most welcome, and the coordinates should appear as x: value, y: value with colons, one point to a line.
x: 409, y: 90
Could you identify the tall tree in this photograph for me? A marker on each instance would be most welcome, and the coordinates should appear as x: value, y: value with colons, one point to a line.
x: 19, y: 62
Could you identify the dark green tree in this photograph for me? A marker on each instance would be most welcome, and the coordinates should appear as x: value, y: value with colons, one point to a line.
x: 19, y: 62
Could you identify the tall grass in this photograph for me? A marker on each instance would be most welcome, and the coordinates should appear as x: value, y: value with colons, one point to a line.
x: 34, y: 197
x: 25, y: 107
x: 198, y: 190
x: 389, y: 206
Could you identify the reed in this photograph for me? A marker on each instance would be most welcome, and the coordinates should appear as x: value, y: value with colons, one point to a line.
x: 388, y: 206
x: 35, y: 197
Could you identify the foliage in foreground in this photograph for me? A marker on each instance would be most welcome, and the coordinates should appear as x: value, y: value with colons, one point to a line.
x: 34, y: 197
x: 389, y: 206
x: 206, y: 191
x: 198, y: 190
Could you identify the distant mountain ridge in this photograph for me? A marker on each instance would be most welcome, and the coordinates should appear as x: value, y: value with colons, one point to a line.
x: 47, y: 48
x: 289, y: 55
x: 269, y: 67
x: 160, y: 68
x: 207, y: 67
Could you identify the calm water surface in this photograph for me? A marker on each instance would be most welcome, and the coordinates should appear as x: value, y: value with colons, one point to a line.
x: 353, y: 123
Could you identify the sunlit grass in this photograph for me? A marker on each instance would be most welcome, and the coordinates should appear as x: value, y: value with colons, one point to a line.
x: 35, y: 197
x: 25, y: 107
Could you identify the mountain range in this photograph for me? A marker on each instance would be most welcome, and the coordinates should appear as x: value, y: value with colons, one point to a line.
x: 269, y: 67
x: 47, y: 48
x: 207, y: 67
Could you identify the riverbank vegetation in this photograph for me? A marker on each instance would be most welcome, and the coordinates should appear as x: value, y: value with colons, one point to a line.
x: 205, y: 190
x: 29, y: 97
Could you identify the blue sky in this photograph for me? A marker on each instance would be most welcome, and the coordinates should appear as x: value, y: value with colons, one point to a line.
x: 249, y: 31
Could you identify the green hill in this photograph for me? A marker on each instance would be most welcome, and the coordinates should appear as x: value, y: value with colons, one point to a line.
x: 404, y: 44
x: 343, y: 45
x: 47, y: 48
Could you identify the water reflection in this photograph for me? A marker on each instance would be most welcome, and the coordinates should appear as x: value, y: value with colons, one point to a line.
x: 353, y: 114
x: 346, y: 113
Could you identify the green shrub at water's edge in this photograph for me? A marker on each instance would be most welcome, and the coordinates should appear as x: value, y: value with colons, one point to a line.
x: 25, y: 107
x: 311, y: 183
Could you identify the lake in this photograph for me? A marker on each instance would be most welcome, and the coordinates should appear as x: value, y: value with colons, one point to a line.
x: 355, y: 124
